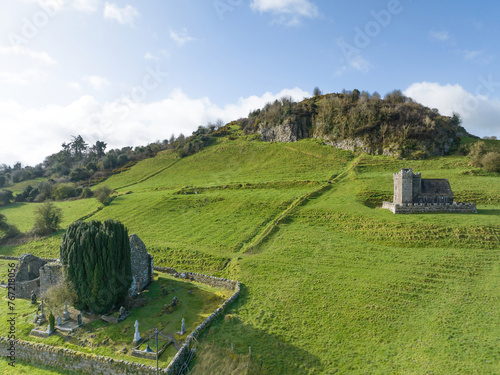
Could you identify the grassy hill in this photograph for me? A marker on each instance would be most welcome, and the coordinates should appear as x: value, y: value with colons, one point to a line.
x: 331, y: 282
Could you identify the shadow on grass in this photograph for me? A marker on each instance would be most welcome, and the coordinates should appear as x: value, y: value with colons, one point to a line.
x: 232, y: 346
x: 488, y: 212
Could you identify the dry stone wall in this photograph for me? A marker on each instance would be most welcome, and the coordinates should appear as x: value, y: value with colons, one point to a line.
x: 70, y: 360
x: 409, y: 208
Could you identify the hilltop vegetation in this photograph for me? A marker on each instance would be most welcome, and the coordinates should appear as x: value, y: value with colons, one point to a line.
x: 395, y: 125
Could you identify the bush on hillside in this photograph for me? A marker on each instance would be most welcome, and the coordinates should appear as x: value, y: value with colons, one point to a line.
x: 103, y: 194
x: 491, y: 162
x: 48, y: 218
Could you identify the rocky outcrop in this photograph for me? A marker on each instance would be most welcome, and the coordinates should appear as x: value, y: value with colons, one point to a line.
x: 287, y: 132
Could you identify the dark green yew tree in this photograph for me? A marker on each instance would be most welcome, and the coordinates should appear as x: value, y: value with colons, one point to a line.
x: 97, y: 259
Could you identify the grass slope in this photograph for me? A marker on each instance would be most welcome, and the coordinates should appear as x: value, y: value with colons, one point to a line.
x: 331, y: 282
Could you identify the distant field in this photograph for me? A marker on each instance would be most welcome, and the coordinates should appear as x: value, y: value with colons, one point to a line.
x: 332, y: 283
x: 231, y: 162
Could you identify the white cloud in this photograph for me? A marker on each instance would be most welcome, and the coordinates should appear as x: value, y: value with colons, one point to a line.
x: 181, y: 37
x: 23, y: 78
x: 97, y: 82
x: 471, y: 55
x: 86, y: 5
x: 151, y: 57
x: 353, y: 57
x: 479, y: 57
x: 479, y: 110
x: 125, y: 15
x: 288, y: 12
x: 440, y: 36
x: 41, y: 56
x: 118, y: 123
x: 75, y: 86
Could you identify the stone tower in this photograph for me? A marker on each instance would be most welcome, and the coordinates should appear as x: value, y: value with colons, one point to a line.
x: 407, y: 186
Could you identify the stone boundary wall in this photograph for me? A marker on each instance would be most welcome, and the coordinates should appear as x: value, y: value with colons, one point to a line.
x: 77, y: 362
x: 409, y: 208
x: 181, y: 356
x: 169, y: 270
x: 67, y: 359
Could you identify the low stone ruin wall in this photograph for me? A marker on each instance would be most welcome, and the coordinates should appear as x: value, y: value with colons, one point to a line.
x: 209, y: 280
x: 169, y: 270
x: 24, y: 288
x: 70, y: 360
x: 183, y: 353
x: 408, y: 208
x: 50, y: 275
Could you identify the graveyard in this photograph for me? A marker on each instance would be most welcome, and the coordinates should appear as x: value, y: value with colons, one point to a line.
x: 152, y: 309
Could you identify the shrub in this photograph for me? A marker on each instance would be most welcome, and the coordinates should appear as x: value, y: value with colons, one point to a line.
x: 86, y: 193
x: 103, y: 194
x: 11, y: 232
x: 491, y: 162
x: 97, y: 260
x: 79, y: 174
x: 6, y: 197
x: 476, y: 153
x: 64, y: 191
x: 60, y: 293
x: 47, y: 219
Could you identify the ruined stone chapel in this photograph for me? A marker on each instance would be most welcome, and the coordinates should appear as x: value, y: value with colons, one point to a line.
x: 414, y: 194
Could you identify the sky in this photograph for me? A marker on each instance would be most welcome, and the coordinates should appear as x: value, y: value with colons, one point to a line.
x: 133, y: 72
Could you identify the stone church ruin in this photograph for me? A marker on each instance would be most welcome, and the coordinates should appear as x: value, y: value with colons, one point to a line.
x: 414, y: 194
x: 34, y: 274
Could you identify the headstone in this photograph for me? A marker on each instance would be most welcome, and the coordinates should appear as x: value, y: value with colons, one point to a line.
x: 137, y: 335
x: 148, y: 349
x: 58, y: 320
x: 33, y: 297
x: 66, y: 312
x: 79, y: 319
x: 183, y: 326
x: 41, y: 308
x: 122, y: 312
x: 175, y: 301
x: 48, y: 328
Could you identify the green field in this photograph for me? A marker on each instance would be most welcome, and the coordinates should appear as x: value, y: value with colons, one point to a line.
x: 331, y: 283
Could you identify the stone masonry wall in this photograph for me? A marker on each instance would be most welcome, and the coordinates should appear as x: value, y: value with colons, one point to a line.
x: 181, y: 356
x: 429, y: 208
x: 23, y: 289
x: 70, y: 360
x: 50, y: 275
x: 140, y: 261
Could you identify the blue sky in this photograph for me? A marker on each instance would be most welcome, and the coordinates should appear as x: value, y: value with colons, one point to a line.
x: 132, y: 72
